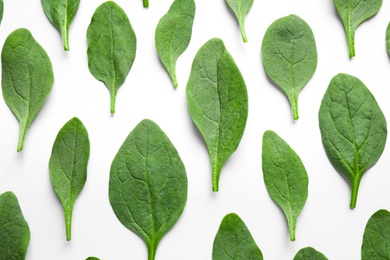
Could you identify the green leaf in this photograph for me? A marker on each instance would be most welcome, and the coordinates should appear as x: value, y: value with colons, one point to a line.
x: 218, y: 103
x: 173, y: 34
x: 353, y: 13
x: 240, y: 9
x: 234, y: 241
x: 68, y: 166
x: 27, y: 78
x: 353, y: 129
x: 309, y: 253
x: 111, y: 47
x: 285, y: 178
x: 376, y: 238
x: 61, y: 14
x: 92, y: 258
x: 148, y: 184
x: 388, y: 38
x: 14, y: 230
x: 289, y: 56
x: 1, y: 10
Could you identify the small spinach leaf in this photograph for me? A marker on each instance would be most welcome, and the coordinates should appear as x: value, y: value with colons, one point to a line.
x: 14, y: 230
x: 148, y: 184
x: 111, y: 47
x: 309, y: 253
x: 376, y: 238
x: 234, y: 241
x: 353, y: 129
x: 353, y: 13
x: 285, y: 178
x: 218, y: 103
x: 289, y: 56
x: 240, y: 9
x: 27, y: 78
x: 61, y: 14
x: 68, y: 166
x: 173, y: 34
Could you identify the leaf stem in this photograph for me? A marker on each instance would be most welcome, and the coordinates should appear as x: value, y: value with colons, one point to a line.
x: 291, y: 228
x: 65, y: 39
x: 174, y: 79
x: 113, y: 98
x: 243, y: 33
x: 68, y: 222
x: 146, y: 3
x: 294, y: 107
x: 355, y: 189
x: 351, y: 42
x: 216, y: 172
x: 22, y: 136
x: 151, y: 251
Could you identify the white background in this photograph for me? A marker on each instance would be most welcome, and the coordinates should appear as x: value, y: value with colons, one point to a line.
x: 326, y: 221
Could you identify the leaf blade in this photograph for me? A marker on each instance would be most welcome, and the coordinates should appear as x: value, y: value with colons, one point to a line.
x: 285, y: 178
x: 25, y: 86
x: 353, y: 129
x: 173, y: 34
x: 309, y: 253
x: 218, y: 103
x: 289, y: 55
x: 148, y: 184
x: 111, y: 47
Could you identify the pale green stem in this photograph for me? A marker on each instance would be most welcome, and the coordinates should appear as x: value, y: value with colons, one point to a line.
x: 146, y: 3
x: 174, y: 79
x: 65, y: 39
x: 68, y: 222
x: 291, y: 228
x: 22, y: 136
x: 351, y: 41
x: 294, y: 107
x: 151, y: 251
x: 216, y: 172
x: 243, y: 33
x: 355, y: 188
x: 113, y: 97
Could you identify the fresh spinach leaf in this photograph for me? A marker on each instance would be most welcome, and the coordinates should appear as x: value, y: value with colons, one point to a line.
x: 309, y: 253
x: 111, y: 47
x: 285, y: 178
x: 92, y: 258
x: 1, y: 10
x: 68, y: 166
x: 148, y: 184
x: 61, y: 13
x: 234, y: 241
x: 353, y: 129
x: 173, y: 34
x: 27, y: 78
x: 376, y: 238
x: 146, y: 3
x: 240, y: 9
x: 14, y: 230
x: 289, y: 56
x: 353, y: 13
x: 218, y: 103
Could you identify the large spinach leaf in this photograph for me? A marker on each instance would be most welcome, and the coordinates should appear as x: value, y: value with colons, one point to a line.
x: 353, y: 129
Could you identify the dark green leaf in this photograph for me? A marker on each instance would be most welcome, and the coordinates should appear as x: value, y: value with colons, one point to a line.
x: 376, y: 239
x: 234, y: 241
x: 1, y: 10
x: 173, y: 34
x: 289, y: 56
x: 68, y: 166
x: 14, y: 230
x: 353, y: 129
x: 61, y: 14
x: 27, y: 78
x: 111, y: 47
x: 309, y: 253
x: 240, y: 9
x: 218, y: 103
x: 353, y: 13
x: 285, y: 178
x: 148, y: 184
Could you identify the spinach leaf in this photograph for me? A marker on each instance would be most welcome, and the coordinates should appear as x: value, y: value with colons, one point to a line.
x: 92, y: 258
x: 173, y: 34
x: 353, y: 129
x: 234, y: 241
x: 61, y: 13
x: 285, y: 178
x: 148, y: 184
x: 111, y: 47
x: 240, y: 9
x: 289, y: 56
x: 309, y: 253
x: 27, y: 78
x: 353, y: 13
x: 68, y: 166
x: 376, y: 238
x: 218, y: 103
x: 14, y: 230
x: 1, y: 10
x: 146, y: 3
